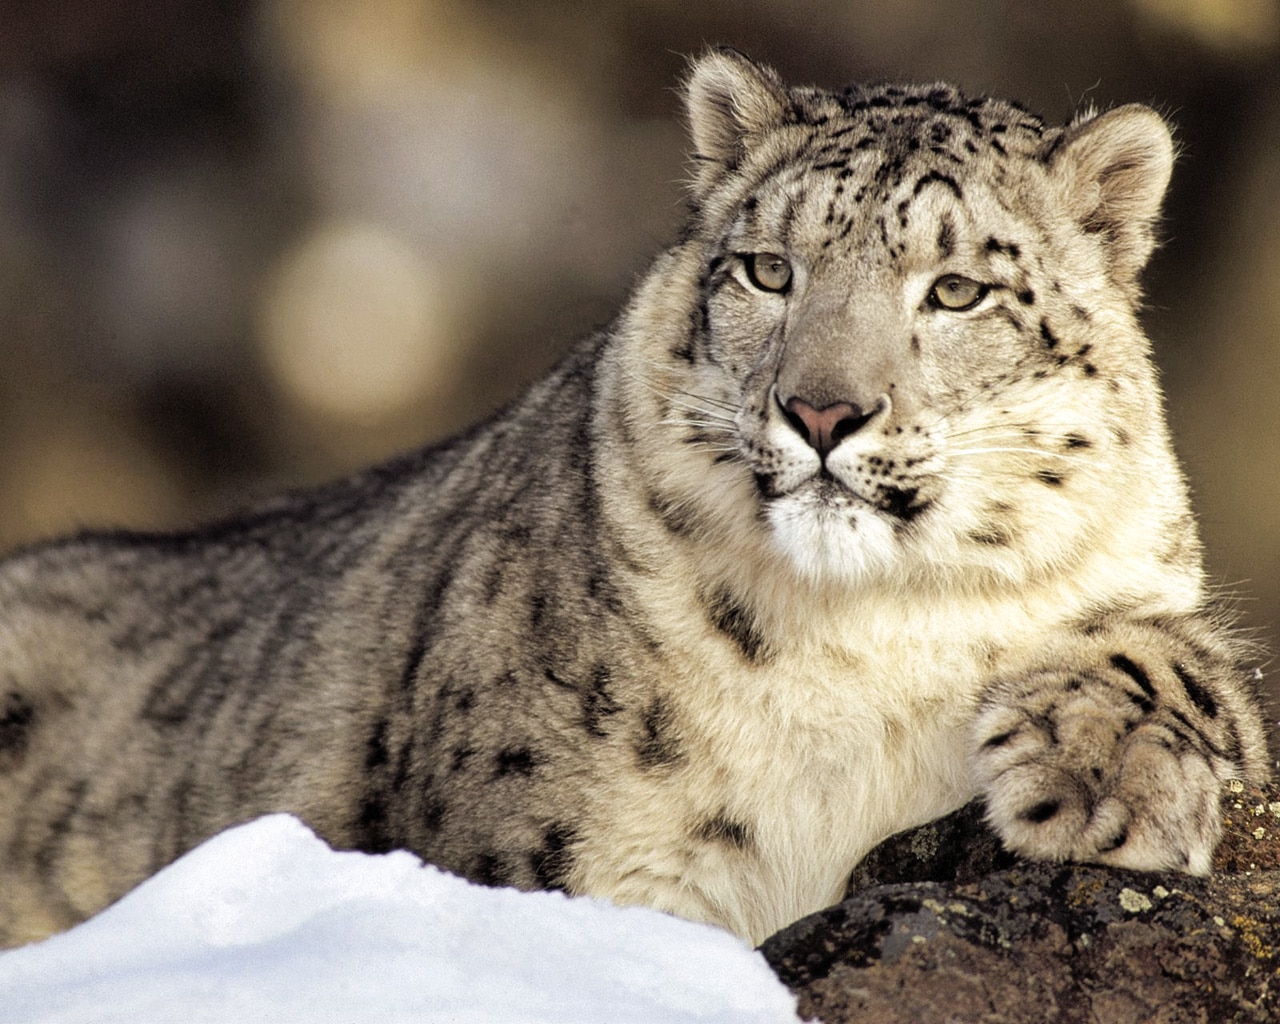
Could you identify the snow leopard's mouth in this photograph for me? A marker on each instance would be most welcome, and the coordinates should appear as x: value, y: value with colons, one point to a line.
x: 824, y: 490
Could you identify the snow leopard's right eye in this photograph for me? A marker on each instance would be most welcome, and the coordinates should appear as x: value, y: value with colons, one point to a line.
x: 956, y: 293
x: 768, y: 271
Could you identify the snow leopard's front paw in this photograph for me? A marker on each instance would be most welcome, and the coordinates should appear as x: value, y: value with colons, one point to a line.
x: 1121, y: 763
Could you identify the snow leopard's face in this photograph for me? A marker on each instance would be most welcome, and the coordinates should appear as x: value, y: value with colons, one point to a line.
x: 914, y: 328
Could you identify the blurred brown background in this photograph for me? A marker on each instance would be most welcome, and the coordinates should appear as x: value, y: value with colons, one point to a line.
x: 246, y: 245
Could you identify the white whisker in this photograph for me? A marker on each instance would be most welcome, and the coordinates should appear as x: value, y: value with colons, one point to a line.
x: 703, y: 424
x: 678, y: 394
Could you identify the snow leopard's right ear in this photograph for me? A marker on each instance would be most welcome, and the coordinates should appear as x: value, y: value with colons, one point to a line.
x: 1114, y: 169
x: 729, y: 99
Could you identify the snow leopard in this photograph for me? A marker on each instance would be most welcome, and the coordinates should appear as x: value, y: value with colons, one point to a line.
x: 864, y: 507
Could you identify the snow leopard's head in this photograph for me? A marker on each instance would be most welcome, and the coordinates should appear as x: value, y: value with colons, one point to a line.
x: 909, y: 338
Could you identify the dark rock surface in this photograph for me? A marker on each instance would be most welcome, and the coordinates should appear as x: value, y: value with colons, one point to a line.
x: 943, y: 926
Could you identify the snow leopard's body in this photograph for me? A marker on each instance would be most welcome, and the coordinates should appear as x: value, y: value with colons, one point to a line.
x: 864, y: 506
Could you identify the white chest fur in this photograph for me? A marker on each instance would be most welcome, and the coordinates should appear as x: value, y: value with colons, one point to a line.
x: 852, y: 727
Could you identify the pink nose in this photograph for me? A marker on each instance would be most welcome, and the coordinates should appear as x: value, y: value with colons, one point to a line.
x: 825, y: 428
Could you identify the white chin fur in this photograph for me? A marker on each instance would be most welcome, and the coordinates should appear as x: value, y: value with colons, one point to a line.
x: 832, y: 545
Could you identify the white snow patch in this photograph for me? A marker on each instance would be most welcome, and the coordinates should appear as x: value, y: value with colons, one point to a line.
x: 266, y: 923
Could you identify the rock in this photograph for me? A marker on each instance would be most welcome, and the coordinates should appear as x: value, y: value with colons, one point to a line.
x: 944, y: 926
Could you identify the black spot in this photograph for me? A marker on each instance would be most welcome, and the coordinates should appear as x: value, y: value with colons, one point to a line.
x: 1196, y: 691
x: 1142, y: 702
x: 551, y: 677
x: 1049, y: 477
x: 1027, y: 297
x: 538, y: 613
x: 1075, y: 442
x: 1046, y: 154
x: 371, y: 832
x: 1000, y: 739
x: 597, y: 702
x: 519, y: 535
x: 465, y: 699
x: 491, y: 869
x: 1116, y: 841
x: 1134, y: 672
x: 1193, y: 737
x: 915, y: 344
x: 376, y: 754
x: 1041, y: 812
x: 990, y: 536
x: 946, y: 238
x: 1049, y: 338
x: 722, y: 829
x: 658, y: 746
x: 1013, y: 321
x: 600, y: 588
x: 515, y: 761
x: 461, y: 755
x: 672, y: 515
x: 942, y: 179
x: 434, y: 811
x: 552, y: 862
x: 902, y: 503
x: 1009, y: 249
x: 737, y: 623
x: 764, y: 485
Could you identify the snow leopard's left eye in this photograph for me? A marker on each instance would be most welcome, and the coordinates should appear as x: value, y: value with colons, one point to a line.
x: 768, y: 271
x: 956, y: 293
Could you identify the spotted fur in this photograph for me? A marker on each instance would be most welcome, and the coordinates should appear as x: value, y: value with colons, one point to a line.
x: 865, y: 506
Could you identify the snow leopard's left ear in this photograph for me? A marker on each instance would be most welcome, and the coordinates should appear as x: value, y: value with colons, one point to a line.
x: 1115, y: 168
x: 730, y: 100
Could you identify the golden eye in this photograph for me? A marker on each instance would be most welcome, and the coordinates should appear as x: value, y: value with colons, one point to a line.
x: 956, y: 293
x: 768, y: 271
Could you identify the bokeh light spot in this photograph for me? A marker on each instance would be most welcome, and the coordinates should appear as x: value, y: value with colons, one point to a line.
x: 355, y: 323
